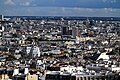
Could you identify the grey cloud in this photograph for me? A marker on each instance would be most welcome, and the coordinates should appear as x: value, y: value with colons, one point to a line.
x: 63, y: 11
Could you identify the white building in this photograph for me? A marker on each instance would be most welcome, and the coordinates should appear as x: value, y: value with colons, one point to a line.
x: 104, y: 56
x: 33, y: 51
x: 115, y: 69
x: 28, y: 49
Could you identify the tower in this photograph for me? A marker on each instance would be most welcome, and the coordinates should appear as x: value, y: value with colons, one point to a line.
x: 64, y: 30
x: 1, y: 17
x: 75, y: 32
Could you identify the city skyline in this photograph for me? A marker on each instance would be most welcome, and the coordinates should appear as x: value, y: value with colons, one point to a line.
x: 59, y: 40
x: 87, y: 8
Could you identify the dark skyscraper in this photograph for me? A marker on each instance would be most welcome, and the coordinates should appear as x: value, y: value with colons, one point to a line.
x: 1, y: 17
x: 65, y: 30
x: 75, y: 32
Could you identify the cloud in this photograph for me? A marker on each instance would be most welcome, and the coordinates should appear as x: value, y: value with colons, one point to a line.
x: 63, y: 11
x: 113, y: 1
x: 104, y: 1
x: 65, y: 3
x: 110, y: 1
x: 25, y: 4
x: 9, y: 2
x: 61, y: 7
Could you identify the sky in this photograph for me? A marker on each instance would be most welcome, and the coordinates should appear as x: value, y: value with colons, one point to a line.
x: 87, y: 8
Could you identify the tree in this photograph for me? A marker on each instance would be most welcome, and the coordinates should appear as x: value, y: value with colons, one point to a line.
x: 10, y: 58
